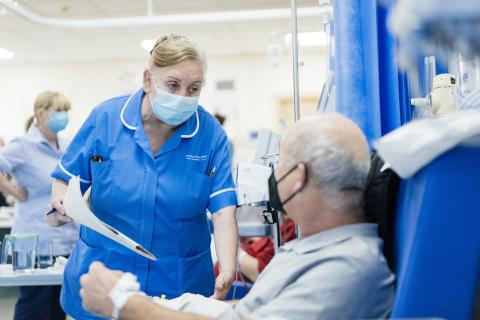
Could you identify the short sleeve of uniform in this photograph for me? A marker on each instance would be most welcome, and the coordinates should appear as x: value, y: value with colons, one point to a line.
x: 222, y: 189
x: 12, y: 155
x: 76, y: 160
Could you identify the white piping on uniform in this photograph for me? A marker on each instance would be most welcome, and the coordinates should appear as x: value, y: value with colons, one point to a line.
x: 196, y: 129
x: 71, y: 175
x: 123, y: 110
x: 222, y: 191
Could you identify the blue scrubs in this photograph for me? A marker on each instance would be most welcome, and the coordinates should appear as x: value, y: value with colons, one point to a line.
x: 158, y: 200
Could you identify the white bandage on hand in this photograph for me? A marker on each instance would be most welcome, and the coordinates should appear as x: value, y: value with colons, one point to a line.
x: 125, y: 287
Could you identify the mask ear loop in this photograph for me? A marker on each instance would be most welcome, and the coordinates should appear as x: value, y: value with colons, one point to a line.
x: 286, y: 174
x: 153, y: 80
x: 304, y: 184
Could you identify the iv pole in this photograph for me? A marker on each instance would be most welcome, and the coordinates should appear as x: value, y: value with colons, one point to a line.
x: 296, y: 96
x: 296, y: 114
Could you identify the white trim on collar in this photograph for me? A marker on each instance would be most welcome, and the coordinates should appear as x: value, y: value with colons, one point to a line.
x: 191, y: 135
x: 123, y: 110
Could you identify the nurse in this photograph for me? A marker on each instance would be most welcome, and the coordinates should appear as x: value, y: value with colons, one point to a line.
x: 30, y: 159
x: 155, y: 161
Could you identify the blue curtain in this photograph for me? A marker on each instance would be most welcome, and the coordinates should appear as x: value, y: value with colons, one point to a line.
x: 356, y: 64
x: 404, y: 98
x: 369, y: 88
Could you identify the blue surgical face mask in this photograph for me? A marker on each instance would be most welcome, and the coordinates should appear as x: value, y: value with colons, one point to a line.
x: 58, y: 121
x: 173, y: 109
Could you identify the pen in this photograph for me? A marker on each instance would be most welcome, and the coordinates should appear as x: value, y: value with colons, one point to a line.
x: 51, y: 210
x: 213, y: 171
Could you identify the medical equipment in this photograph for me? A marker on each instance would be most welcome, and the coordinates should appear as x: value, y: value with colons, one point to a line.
x: 469, y: 71
x: 252, y: 178
x: 252, y: 187
x: 442, y: 98
x: 326, y: 102
x: 268, y: 148
x: 434, y: 27
x: 296, y: 88
x: 468, y: 90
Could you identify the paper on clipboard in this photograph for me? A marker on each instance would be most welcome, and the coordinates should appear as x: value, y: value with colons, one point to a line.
x: 77, y: 209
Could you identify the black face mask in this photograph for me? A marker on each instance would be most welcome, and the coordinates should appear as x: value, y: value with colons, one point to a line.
x: 274, y: 197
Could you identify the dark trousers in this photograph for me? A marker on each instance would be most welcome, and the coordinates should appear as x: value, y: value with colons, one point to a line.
x: 39, y: 303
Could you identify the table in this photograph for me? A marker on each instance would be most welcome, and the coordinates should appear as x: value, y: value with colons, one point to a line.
x: 40, y: 277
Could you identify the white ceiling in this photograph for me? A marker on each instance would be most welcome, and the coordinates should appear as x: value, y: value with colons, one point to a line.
x: 34, y: 43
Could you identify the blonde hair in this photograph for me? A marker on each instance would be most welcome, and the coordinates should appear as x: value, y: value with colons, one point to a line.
x: 44, y: 101
x: 173, y: 49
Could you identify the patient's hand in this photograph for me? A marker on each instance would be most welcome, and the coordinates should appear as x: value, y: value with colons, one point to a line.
x: 96, y: 284
x: 222, y: 285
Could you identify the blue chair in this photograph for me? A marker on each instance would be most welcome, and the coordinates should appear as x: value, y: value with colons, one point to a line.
x: 238, y: 290
x: 437, y: 238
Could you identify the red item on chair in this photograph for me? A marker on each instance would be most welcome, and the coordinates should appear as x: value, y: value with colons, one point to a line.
x: 262, y: 248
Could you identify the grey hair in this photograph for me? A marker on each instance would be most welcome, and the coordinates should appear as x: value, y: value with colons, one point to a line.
x: 334, y: 167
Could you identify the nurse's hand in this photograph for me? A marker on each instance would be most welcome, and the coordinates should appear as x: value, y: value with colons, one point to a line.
x: 7, y: 186
x: 222, y: 285
x: 58, y: 217
x: 96, y: 285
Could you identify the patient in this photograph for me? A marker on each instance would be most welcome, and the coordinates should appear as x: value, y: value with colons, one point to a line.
x: 335, y: 271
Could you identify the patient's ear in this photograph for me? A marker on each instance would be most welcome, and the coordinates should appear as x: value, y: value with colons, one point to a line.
x: 302, y: 177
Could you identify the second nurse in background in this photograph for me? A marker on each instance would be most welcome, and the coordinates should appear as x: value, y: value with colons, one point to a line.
x: 30, y: 159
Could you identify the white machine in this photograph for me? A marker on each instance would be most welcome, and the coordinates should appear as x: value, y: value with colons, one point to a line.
x: 252, y: 178
x: 252, y: 184
x: 252, y: 188
x: 442, y: 99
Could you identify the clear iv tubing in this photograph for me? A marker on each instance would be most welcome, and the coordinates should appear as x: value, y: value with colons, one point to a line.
x: 327, y: 30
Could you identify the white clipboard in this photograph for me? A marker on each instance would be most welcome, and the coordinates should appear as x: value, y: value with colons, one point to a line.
x: 77, y: 209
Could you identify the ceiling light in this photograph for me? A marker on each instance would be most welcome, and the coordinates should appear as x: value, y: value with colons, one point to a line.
x: 5, y: 54
x: 308, y: 39
x: 148, y: 45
